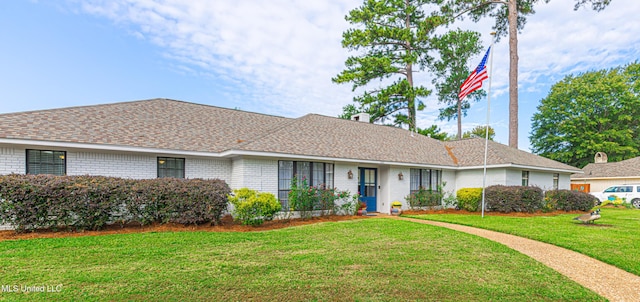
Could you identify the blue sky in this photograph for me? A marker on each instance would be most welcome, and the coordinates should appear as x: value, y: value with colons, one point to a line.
x: 275, y: 57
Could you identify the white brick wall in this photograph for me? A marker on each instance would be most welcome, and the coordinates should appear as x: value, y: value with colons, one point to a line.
x: 449, y: 183
x: 473, y: 178
x: 540, y: 179
x: 12, y: 160
x: 564, y: 183
x: 116, y: 165
x: 392, y: 188
x: 544, y: 180
x: 341, y: 180
x: 141, y: 166
x: 208, y: 168
x: 135, y: 166
x: 256, y: 174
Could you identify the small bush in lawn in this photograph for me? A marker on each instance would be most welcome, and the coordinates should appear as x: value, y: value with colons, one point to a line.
x: 568, y: 200
x: 252, y: 207
x: 469, y: 199
x: 507, y: 199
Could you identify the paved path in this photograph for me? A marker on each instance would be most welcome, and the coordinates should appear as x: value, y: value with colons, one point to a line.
x: 604, y: 279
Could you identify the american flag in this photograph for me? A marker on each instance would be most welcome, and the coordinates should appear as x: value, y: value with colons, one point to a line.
x: 474, y: 81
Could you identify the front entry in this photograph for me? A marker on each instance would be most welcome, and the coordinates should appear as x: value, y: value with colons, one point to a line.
x: 368, y: 184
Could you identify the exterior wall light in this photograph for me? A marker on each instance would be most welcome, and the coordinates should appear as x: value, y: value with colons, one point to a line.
x: 400, y: 176
x: 350, y: 174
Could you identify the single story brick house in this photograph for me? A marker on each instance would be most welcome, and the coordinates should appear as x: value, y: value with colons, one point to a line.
x: 602, y: 174
x: 162, y: 137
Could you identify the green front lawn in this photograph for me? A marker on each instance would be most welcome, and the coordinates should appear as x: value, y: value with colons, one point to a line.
x: 369, y: 259
x: 614, y: 239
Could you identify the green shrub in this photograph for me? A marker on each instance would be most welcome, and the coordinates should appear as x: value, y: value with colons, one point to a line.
x: 424, y: 198
x: 507, y: 199
x: 45, y: 201
x: 184, y: 201
x: 350, y: 203
x: 302, y: 197
x: 253, y: 208
x: 306, y: 199
x: 469, y: 199
x: 29, y: 202
x: 568, y: 200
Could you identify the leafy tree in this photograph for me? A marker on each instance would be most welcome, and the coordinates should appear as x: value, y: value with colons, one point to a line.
x: 510, y: 17
x: 455, y: 48
x: 480, y: 131
x: 434, y: 132
x: 350, y: 110
x: 392, y: 41
x: 588, y: 113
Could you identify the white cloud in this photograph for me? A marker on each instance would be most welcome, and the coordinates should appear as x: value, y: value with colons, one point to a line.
x: 281, y: 54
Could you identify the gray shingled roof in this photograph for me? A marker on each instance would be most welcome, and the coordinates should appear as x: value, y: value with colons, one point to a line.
x: 317, y: 135
x: 470, y: 152
x: 625, y: 168
x: 158, y: 123
x: 176, y: 125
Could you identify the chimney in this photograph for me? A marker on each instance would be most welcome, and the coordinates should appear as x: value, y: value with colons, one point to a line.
x: 600, y: 157
x: 361, y: 117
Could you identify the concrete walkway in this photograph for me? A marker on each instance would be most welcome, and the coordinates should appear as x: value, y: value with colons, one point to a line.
x: 604, y: 279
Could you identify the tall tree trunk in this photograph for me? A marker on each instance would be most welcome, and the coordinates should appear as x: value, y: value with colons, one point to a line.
x: 513, y: 73
x: 459, y: 119
x: 411, y: 103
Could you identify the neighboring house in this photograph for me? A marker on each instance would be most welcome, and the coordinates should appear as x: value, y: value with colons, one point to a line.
x: 602, y: 174
x: 161, y: 137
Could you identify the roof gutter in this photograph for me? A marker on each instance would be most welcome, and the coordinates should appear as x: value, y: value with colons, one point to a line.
x: 230, y: 153
x: 524, y: 167
x: 234, y: 153
x: 604, y: 178
x: 104, y: 147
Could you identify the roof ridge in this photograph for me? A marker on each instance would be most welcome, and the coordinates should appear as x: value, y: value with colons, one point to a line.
x: 75, y: 107
x: 501, y: 154
x: 267, y: 134
x: 134, y: 102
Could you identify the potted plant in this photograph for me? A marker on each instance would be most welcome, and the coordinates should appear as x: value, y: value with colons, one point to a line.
x: 363, y: 208
x: 396, y: 208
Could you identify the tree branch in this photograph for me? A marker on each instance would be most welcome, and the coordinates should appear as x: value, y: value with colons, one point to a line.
x: 479, y: 6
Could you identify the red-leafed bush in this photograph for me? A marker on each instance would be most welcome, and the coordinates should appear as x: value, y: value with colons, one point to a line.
x: 568, y: 200
x: 89, y: 202
x: 507, y: 199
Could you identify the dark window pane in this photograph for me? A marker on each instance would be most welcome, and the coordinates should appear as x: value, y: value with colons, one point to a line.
x: 315, y: 174
x: 285, y: 174
x: 435, y: 179
x: 525, y: 178
x: 329, y: 175
x: 415, y: 180
x: 424, y: 178
x: 46, y: 162
x: 317, y: 177
x: 170, y: 167
x: 303, y: 171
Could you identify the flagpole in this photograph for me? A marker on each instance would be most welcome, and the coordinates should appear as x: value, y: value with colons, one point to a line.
x: 486, y: 135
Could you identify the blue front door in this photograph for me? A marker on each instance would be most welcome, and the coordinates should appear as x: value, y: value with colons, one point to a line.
x: 368, y: 184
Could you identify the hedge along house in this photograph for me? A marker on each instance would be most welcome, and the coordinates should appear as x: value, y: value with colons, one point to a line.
x: 161, y: 138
